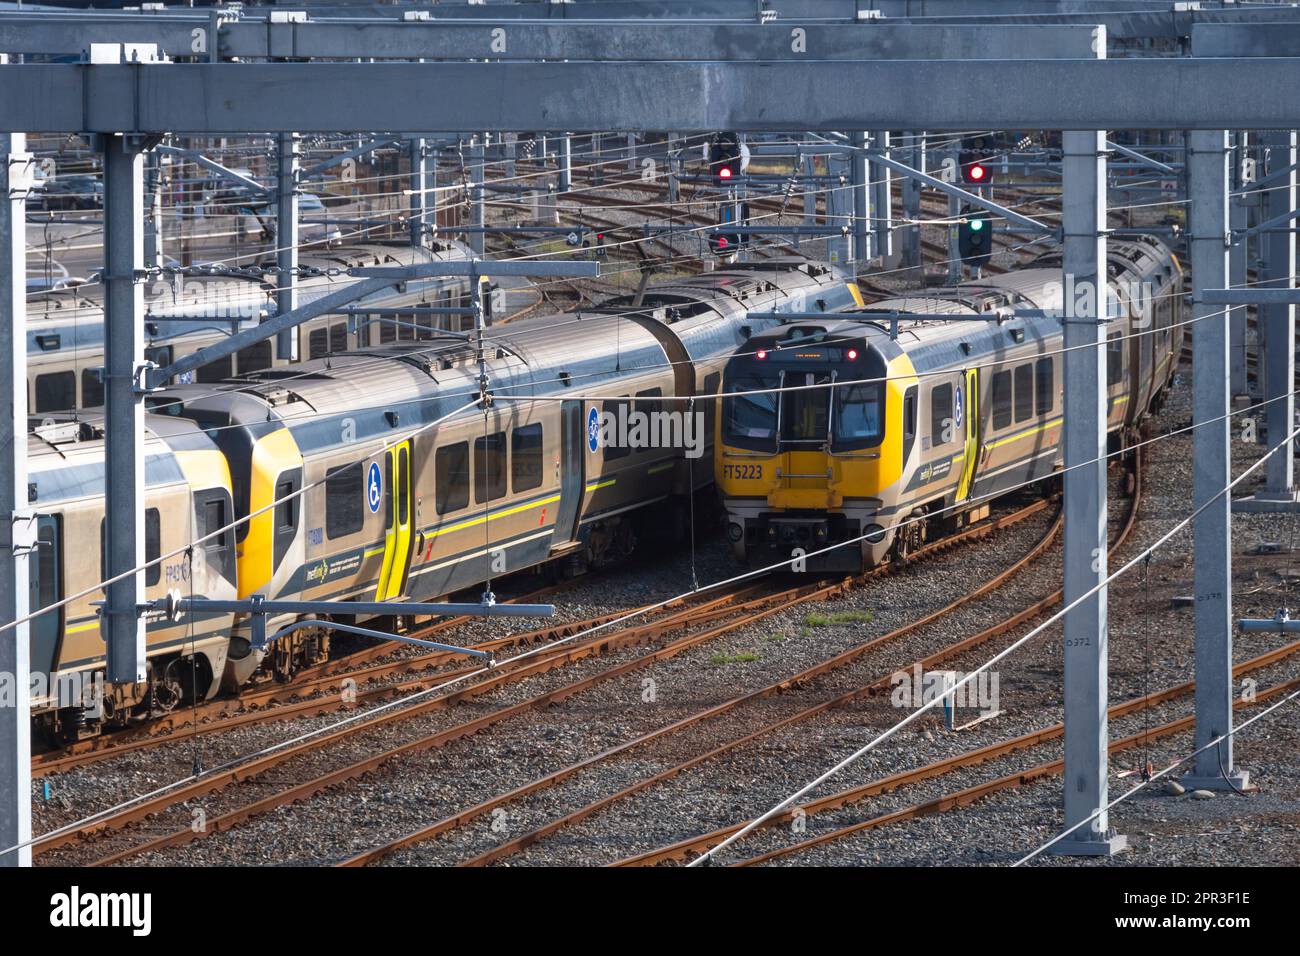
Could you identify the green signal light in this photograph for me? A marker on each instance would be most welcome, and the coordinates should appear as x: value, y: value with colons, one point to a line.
x: 976, y: 225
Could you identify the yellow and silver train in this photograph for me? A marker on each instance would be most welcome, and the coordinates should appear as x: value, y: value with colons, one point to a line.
x: 395, y: 507
x: 927, y: 425
x: 185, y: 313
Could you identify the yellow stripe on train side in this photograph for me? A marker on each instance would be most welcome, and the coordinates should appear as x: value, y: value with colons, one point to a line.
x: 273, y: 455
x: 493, y: 516
x: 1024, y: 434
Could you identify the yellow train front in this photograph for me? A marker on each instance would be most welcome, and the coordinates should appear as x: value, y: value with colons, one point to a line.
x: 848, y: 439
x: 810, y: 426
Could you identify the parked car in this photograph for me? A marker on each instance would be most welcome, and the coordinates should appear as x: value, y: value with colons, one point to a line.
x: 73, y: 192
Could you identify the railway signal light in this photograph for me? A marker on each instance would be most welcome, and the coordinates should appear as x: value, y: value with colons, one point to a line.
x: 972, y: 161
x: 727, y: 157
x: 975, y: 237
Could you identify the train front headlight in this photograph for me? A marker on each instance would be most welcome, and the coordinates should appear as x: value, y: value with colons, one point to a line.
x: 734, y: 531
x: 874, y: 534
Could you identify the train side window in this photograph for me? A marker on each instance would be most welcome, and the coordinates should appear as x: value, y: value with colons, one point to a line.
x: 1001, y: 399
x: 1024, y: 392
x: 255, y: 357
x: 1044, y: 386
x: 612, y: 407
x: 217, y: 370
x: 649, y: 407
x: 213, y: 508
x: 56, y: 392
x: 451, y: 474
x: 941, y: 418
x: 526, y: 458
x: 387, y: 330
x: 489, y: 467
x: 344, y: 491
x: 339, y: 337
x: 92, y: 389
x: 286, y: 512
x: 152, y: 547
x: 1114, y: 358
x: 403, y: 485
x: 909, y: 416
x: 318, y: 345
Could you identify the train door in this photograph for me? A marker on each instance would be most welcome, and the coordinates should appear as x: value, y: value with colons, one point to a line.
x: 573, y: 436
x: 968, y: 405
x: 45, y: 587
x: 398, y: 513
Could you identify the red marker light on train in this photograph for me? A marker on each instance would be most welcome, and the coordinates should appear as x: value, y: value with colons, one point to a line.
x: 853, y: 354
x: 762, y: 354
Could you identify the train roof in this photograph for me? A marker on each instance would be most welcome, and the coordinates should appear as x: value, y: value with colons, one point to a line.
x: 65, y: 454
x: 388, y: 387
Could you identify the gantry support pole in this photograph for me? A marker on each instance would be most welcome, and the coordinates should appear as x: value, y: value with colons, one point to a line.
x: 566, y: 163
x: 477, y: 217
x: 1239, y: 221
x: 1207, y: 184
x: 123, y: 627
x: 911, y: 242
x: 860, y: 178
x: 881, y: 178
x: 16, y: 520
x: 1277, y: 330
x: 286, y: 240
x: 1086, y: 637
x: 421, y: 199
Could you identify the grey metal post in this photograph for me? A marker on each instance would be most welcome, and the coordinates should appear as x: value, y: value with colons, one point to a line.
x: 1207, y: 183
x: 477, y: 210
x: 510, y: 151
x: 122, y: 626
x: 631, y: 153
x: 419, y: 205
x: 15, y: 716
x: 566, y: 163
x: 153, y: 223
x: 860, y: 180
x: 882, y: 200
x: 840, y: 206
x: 1239, y: 221
x: 597, y: 162
x: 1277, y: 325
x: 912, y: 204
x: 954, y: 250
x: 286, y: 240
x: 808, y: 167
x: 1084, y: 267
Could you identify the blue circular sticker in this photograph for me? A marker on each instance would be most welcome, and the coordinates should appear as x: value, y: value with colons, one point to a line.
x: 593, y: 429
x: 374, y: 487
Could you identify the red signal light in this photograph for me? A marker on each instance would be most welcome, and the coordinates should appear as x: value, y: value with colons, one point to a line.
x: 977, y: 172
x: 722, y: 242
x: 724, y: 173
x: 853, y: 354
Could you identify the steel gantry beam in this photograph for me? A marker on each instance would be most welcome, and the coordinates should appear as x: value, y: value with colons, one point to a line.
x: 17, y: 534
x: 216, y: 99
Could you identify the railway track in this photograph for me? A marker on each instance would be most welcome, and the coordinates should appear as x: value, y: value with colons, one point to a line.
x: 875, y: 687
x: 1012, y: 781
x: 703, y: 619
x: 252, y: 704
